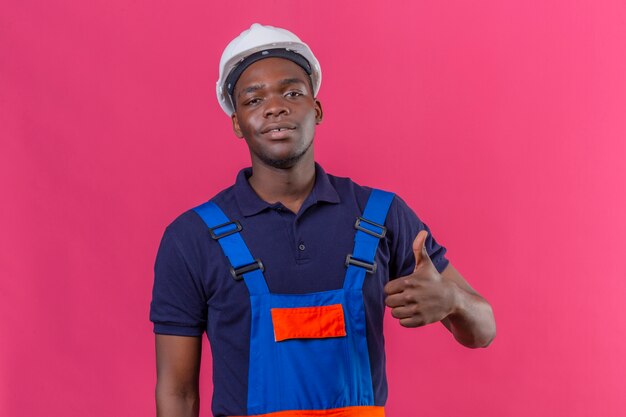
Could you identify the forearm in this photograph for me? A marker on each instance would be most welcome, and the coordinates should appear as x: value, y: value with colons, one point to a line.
x: 178, y: 371
x: 177, y: 403
x: 472, y: 322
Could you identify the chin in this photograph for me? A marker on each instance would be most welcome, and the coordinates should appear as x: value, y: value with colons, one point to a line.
x: 281, y: 163
x: 284, y: 161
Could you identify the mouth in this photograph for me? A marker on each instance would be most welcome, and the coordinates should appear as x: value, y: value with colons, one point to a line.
x: 278, y: 132
x: 277, y: 128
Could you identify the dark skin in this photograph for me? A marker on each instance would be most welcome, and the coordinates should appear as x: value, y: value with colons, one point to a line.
x: 277, y: 114
x: 276, y: 93
x: 178, y: 369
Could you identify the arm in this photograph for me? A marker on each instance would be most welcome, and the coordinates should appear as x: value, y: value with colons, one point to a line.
x: 178, y: 369
x: 426, y: 296
x: 471, y: 322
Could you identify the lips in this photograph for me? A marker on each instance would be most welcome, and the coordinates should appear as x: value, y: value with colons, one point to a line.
x: 277, y: 128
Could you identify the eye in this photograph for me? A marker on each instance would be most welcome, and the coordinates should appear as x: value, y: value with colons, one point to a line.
x: 294, y: 94
x: 253, y: 101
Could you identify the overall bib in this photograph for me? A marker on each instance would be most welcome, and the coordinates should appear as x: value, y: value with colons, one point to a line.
x: 308, y: 352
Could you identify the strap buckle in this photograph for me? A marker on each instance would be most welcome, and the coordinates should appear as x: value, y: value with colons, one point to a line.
x: 380, y: 235
x: 238, y: 273
x: 370, y: 268
x: 217, y: 236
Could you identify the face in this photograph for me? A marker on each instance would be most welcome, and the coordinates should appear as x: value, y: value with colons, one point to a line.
x: 276, y: 112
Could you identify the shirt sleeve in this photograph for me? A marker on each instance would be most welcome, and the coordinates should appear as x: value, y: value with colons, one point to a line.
x: 178, y: 304
x: 406, y: 225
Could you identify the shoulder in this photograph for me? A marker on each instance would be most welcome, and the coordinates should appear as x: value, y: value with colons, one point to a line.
x: 349, y: 189
x: 189, y: 224
x: 182, y: 243
x: 188, y: 234
x: 345, y: 185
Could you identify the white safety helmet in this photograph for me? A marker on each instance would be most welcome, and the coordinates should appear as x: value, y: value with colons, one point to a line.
x: 256, y: 39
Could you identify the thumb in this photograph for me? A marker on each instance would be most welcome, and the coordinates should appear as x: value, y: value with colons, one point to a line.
x: 419, y: 248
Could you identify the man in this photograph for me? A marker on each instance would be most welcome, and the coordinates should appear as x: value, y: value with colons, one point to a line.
x: 288, y: 271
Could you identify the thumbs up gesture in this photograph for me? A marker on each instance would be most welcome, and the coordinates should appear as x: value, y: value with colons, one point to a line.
x: 423, y: 297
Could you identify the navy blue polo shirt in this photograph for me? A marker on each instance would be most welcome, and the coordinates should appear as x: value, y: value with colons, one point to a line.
x: 302, y: 253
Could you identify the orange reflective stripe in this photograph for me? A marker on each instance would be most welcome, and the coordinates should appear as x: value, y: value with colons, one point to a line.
x: 357, y: 411
x: 308, y: 322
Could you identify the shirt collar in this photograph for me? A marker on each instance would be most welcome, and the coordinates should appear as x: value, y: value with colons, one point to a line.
x: 250, y: 203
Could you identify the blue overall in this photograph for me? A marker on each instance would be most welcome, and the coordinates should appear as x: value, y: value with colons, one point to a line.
x: 306, y: 373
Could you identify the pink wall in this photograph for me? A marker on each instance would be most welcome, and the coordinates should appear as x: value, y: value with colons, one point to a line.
x: 501, y: 122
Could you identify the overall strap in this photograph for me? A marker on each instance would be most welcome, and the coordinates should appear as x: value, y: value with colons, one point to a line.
x: 370, y: 229
x: 226, y: 232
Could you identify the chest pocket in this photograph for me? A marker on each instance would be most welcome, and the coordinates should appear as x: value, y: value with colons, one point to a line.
x: 308, y: 322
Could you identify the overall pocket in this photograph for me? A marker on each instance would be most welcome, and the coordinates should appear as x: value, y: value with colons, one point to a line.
x: 311, y: 341
x: 316, y: 322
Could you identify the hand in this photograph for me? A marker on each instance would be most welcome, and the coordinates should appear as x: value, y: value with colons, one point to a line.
x: 423, y: 297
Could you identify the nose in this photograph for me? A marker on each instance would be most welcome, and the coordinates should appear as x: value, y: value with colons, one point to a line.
x: 275, y: 106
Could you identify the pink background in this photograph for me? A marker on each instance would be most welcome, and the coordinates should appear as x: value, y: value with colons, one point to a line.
x: 502, y: 123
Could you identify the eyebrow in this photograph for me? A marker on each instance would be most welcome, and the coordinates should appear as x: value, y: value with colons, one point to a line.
x: 257, y: 87
x: 288, y: 81
x: 251, y: 89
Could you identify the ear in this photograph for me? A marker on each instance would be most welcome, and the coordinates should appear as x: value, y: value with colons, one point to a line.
x: 319, y: 113
x: 236, y: 127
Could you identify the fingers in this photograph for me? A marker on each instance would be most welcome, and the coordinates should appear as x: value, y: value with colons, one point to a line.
x: 396, y: 300
x: 397, y: 285
x: 412, y: 322
x: 409, y: 316
x: 403, y: 312
x: 419, y: 248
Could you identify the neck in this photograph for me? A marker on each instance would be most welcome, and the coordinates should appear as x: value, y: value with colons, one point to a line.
x: 289, y: 186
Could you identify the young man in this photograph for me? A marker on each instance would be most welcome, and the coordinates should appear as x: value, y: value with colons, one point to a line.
x: 289, y: 270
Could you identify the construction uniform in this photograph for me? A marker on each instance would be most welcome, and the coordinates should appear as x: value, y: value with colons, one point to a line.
x: 292, y: 304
